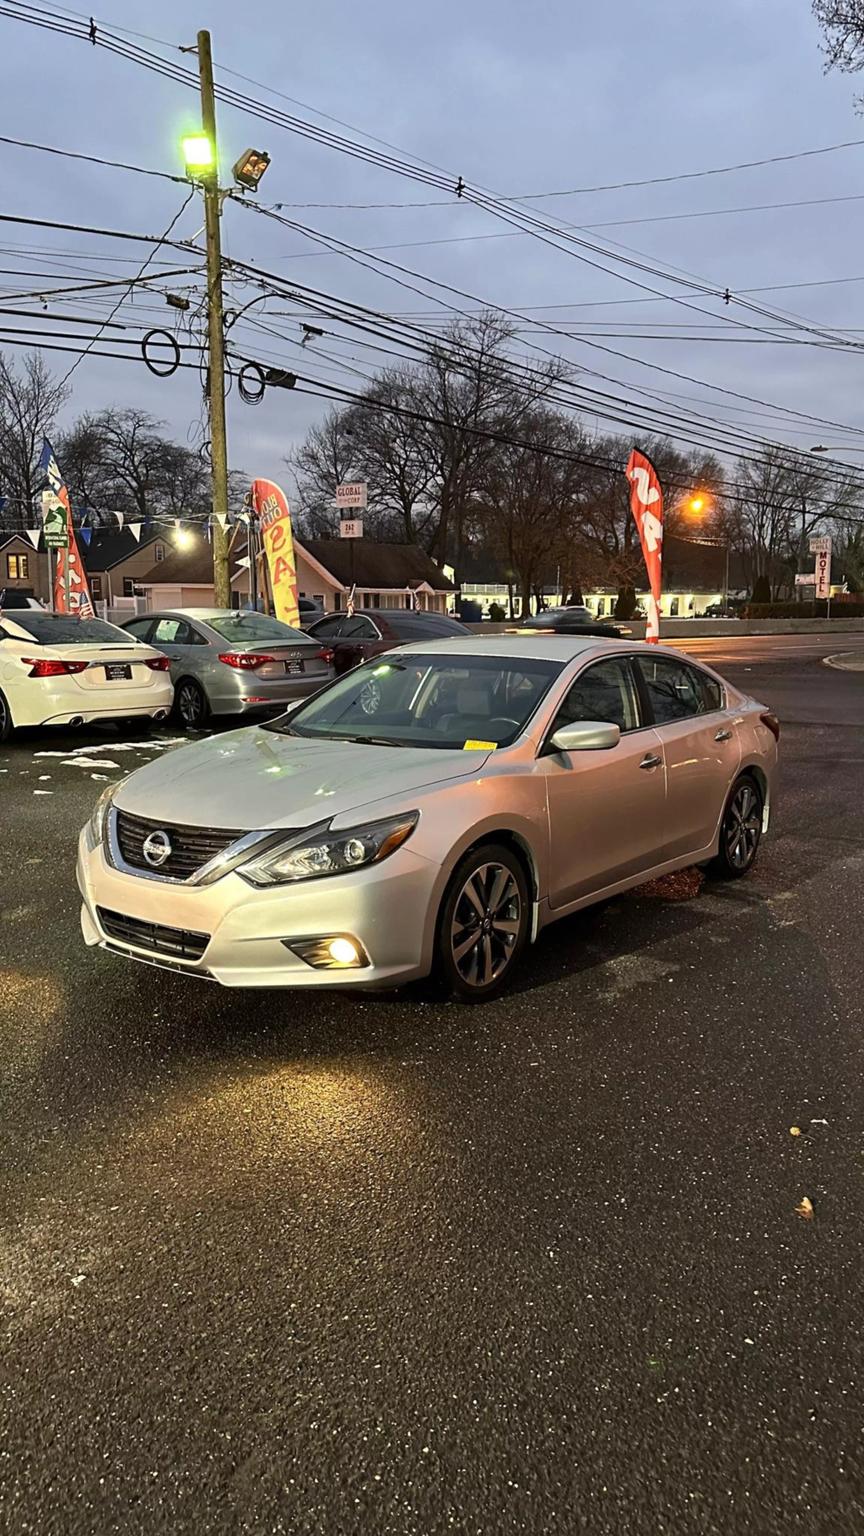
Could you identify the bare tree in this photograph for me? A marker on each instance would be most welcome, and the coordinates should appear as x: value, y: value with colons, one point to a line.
x: 326, y: 458
x: 468, y: 392
x: 30, y: 399
x: 120, y: 461
x: 530, y: 498
x: 842, y: 22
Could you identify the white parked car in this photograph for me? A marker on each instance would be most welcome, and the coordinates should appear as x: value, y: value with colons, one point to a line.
x: 56, y: 669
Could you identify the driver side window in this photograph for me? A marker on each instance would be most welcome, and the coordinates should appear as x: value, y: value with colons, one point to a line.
x: 605, y: 691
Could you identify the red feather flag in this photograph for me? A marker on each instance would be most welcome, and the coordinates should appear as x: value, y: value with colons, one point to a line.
x: 646, y: 504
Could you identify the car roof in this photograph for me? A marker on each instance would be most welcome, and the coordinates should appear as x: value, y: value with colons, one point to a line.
x: 193, y: 613
x: 561, y: 648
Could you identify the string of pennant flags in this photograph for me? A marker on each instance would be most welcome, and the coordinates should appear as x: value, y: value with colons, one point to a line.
x: 134, y: 525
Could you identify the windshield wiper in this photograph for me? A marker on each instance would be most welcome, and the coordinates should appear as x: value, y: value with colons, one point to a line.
x: 372, y: 741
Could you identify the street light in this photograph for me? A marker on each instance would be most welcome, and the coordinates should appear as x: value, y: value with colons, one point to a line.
x: 198, y: 156
x: 835, y: 448
x: 697, y: 505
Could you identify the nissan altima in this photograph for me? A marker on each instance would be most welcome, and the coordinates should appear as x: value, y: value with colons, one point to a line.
x: 430, y: 811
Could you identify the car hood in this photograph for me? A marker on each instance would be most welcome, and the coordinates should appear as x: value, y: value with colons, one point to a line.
x: 255, y: 778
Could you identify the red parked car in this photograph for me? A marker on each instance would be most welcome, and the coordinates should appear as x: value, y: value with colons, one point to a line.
x: 368, y: 631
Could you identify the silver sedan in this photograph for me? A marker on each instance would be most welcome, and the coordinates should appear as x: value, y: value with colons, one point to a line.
x: 226, y: 662
x: 432, y: 810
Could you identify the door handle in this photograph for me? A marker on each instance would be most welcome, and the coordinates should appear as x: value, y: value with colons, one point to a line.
x: 723, y: 736
x: 651, y: 760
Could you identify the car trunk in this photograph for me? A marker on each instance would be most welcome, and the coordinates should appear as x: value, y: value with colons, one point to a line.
x: 286, y: 660
x: 108, y: 666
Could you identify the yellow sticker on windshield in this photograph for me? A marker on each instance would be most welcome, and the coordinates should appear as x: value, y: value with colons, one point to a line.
x: 480, y: 746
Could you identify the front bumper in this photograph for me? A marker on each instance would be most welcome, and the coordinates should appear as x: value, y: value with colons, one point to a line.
x: 389, y: 907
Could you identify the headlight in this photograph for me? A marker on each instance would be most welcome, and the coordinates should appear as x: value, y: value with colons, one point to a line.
x: 97, y: 826
x: 319, y: 851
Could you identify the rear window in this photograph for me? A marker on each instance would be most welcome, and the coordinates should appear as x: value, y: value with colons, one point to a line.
x: 422, y: 626
x: 64, y: 629
x: 251, y: 627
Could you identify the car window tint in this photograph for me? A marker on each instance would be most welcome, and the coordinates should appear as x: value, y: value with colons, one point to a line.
x: 63, y: 629
x: 421, y: 626
x: 252, y: 628
x: 140, y: 628
x: 194, y: 637
x: 712, y: 691
x: 358, y: 628
x: 328, y: 629
x: 604, y: 691
x: 677, y: 692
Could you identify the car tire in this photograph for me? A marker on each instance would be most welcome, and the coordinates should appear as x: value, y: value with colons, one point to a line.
x: 191, y: 704
x: 740, y: 831
x: 6, y: 726
x: 487, y: 900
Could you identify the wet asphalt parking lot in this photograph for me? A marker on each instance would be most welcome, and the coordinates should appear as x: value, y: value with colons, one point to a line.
x: 338, y: 1264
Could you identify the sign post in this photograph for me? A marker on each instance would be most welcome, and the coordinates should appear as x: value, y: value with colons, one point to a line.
x: 351, y: 528
x: 352, y: 493
x: 821, y: 548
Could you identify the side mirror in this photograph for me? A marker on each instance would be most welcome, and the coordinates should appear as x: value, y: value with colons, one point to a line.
x: 289, y: 708
x: 585, y: 736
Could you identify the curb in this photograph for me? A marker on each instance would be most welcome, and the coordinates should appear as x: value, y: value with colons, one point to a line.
x: 845, y: 661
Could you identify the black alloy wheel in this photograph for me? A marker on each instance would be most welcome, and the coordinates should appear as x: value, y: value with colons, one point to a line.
x: 191, y: 704
x: 5, y: 719
x: 483, y: 925
x: 741, y: 831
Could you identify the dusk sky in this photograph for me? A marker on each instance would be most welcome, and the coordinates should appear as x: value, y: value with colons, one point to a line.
x: 519, y: 99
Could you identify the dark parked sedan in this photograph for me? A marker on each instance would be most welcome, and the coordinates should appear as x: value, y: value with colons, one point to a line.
x: 369, y: 631
x: 575, y: 620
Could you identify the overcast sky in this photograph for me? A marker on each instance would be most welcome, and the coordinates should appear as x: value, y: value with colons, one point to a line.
x: 519, y: 98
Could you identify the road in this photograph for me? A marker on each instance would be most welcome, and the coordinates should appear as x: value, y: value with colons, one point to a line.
x: 333, y: 1264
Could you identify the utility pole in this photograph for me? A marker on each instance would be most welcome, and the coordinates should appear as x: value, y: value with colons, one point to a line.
x: 216, y: 334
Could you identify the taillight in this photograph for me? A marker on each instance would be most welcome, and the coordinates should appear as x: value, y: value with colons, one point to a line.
x: 245, y: 661
x: 40, y: 668
x: 157, y: 663
x: 772, y: 723
x: 325, y: 655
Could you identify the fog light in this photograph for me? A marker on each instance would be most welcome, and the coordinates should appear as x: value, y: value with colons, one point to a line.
x: 330, y: 952
x: 343, y: 951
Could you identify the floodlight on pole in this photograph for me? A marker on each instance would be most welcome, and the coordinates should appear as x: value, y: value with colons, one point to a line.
x: 198, y: 156
x: 249, y: 169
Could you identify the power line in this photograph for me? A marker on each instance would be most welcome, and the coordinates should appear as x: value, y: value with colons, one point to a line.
x: 353, y: 253
x: 70, y: 154
x: 138, y: 276
x: 722, y: 170
x: 719, y: 170
x: 171, y: 70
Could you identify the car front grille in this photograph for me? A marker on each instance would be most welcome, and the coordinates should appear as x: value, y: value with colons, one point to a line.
x: 174, y: 943
x: 191, y: 847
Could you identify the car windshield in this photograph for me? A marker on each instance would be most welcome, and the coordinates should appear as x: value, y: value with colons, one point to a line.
x: 252, y: 627
x: 428, y: 701
x: 65, y: 629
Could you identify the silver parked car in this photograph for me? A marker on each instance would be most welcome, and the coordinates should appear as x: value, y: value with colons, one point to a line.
x: 227, y: 662
x: 430, y: 811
